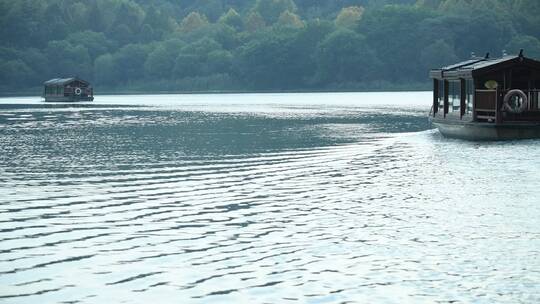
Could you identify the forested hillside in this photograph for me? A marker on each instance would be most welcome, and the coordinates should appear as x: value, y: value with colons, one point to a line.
x: 247, y: 45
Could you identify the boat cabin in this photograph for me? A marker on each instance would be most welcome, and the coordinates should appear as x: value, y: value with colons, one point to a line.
x: 488, y: 90
x: 67, y: 90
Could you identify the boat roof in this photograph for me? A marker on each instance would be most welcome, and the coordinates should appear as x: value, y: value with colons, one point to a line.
x: 63, y: 81
x: 477, y: 66
x: 462, y: 64
x: 488, y: 62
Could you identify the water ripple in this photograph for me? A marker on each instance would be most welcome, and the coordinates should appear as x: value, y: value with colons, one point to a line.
x: 288, y: 203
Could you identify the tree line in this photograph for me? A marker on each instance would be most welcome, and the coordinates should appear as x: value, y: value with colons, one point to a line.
x: 219, y: 45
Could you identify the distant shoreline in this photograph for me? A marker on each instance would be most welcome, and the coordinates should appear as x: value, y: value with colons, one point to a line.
x: 31, y: 92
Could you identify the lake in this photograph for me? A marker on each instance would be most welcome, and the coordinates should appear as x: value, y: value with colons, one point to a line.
x: 261, y: 198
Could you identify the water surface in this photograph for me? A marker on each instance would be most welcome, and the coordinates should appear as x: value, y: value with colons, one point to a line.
x: 261, y: 198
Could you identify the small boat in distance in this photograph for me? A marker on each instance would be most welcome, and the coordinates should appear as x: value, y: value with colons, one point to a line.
x: 71, y: 89
x: 487, y: 99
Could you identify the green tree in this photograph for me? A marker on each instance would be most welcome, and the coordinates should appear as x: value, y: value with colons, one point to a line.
x: 529, y: 44
x: 225, y: 35
x: 15, y: 73
x: 94, y: 17
x: 8, y: 53
x: 201, y: 47
x: 437, y: 54
x: 201, y: 58
x: 22, y: 23
x: 431, y: 4
x: 56, y: 27
x: 232, y: 19
x: 129, y: 14
x: 66, y: 59
x: 273, y: 61
x: 343, y: 56
x: 210, y: 8
x: 121, y: 33
x: 485, y: 24
x: 392, y: 32
x: 305, y: 47
x: 270, y: 10
x: 95, y: 43
x: 160, y: 62
x: 147, y: 33
x: 525, y: 15
x: 130, y: 60
x: 263, y: 44
x: 159, y: 23
x: 219, y: 61
x: 37, y: 61
x: 76, y: 14
x: 186, y: 65
x: 105, y: 70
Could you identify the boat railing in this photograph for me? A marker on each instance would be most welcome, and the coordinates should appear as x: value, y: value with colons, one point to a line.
x: 489, y: 106
x: 485, y: 105
x: 534, y: 99
x: 68, y: 91
x: 533, y: 96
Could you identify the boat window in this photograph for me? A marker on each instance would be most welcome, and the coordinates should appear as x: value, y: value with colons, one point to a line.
x: 469, y: 84
x: 454, y: 95
x: 441, y: 95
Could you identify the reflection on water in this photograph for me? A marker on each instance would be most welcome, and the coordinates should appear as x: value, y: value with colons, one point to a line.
x: 318, y: 198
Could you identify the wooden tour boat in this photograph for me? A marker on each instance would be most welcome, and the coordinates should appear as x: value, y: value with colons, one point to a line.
x: 488, y: 99
x: 67, y: 90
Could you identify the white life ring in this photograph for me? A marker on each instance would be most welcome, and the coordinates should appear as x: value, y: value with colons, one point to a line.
x: 78, y: 91
x: 515, y: 107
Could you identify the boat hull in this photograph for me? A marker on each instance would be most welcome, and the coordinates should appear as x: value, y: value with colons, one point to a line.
x: 67, y: 98
x: 487, y: 131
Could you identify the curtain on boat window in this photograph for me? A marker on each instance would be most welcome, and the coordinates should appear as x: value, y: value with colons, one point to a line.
x: 441, y: 95
x: 469, y: 84
x: 454, y: 93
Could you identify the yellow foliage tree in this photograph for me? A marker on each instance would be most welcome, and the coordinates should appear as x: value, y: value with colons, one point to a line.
x: 288, y: 19
x: 349, y: 16
x: 193, y: 21
x: 254, y: 22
